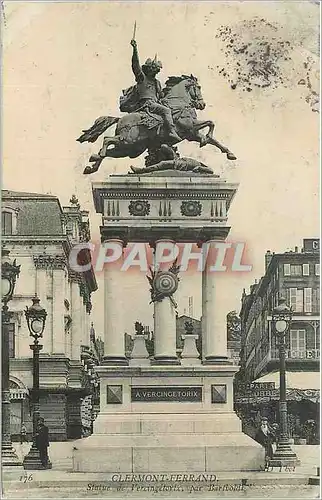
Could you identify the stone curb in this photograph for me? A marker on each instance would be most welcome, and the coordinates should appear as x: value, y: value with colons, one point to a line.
x: 83, y: 483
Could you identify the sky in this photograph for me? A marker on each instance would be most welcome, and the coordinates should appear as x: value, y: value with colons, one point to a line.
x: 66, y: 63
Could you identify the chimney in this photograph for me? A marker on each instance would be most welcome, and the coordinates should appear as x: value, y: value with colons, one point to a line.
x: 296, y: 249
x: 268, y: 258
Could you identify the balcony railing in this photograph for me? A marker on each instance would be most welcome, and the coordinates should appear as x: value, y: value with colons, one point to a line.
x: 298, y: 354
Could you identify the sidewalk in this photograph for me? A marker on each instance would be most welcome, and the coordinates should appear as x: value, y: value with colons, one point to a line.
x: 60, y: 454
x: 61, y: 478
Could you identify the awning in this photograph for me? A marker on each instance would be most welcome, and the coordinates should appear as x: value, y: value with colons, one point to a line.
x: 294, y: 380
x: 300, y: 386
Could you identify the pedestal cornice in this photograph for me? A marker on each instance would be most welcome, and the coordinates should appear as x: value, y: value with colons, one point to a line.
x: 150, y: 234
x: 226, y: 370
x: 183, y: 208
x: 177, y: 187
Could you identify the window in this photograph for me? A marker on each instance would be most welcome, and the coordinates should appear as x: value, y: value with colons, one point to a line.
x: 316, y: 300
x: 317, y: 269
x: 293, y: 269
x: 306, y: 269
x: 296, y: 299
x: 292, y: 298
x: 307, y: 300
x: 11, y: 335
x: 299, y: 300
x: 297, y: 340
x: 310, y: 338
x: 296, y: 270
x: 6, y: 223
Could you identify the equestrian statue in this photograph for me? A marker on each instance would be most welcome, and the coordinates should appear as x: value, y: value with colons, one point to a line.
x: 156, y: 120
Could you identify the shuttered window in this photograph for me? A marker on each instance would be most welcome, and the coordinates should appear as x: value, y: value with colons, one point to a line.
x: 296, y: 270
x: 292, y: 298
x: 299, y: 300
x: 306, y: 269
x: 6, y: 223
x: 307, y: 300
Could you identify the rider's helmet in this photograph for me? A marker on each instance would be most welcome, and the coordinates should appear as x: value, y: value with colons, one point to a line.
x: 151, y: 66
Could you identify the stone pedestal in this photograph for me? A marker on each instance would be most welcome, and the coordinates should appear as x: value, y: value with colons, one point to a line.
x: 139, y: 354
x: 169, y: 415
x: 190, y: 354
x: 159, y: 419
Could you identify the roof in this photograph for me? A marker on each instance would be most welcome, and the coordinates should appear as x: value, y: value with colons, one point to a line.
x: 37, y: 214
x: 21, y: 194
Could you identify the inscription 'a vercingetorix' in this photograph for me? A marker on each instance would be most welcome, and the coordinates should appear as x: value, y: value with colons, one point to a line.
x: 166, y: 394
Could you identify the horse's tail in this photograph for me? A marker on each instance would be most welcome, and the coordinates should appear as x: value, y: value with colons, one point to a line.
x: 100, y: 125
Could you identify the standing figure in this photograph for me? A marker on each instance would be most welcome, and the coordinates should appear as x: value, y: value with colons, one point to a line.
x: 42, y: 442
x: 149, y: 90
x: 265, y: 437
x: 23, y: 433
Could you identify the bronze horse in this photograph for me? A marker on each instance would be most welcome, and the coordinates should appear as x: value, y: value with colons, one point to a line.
x: 138, y: 131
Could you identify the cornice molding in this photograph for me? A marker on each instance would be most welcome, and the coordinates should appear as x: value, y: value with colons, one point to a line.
x: 34, y: 239
x: 165, y: 194
x: 50, y: 261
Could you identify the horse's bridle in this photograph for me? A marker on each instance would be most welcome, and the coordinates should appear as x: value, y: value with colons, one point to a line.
x: 193, y: 84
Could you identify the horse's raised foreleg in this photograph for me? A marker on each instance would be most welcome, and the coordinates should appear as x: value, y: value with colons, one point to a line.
x: 230, y: 155
x: 199, y: 125
x: 197, y: 136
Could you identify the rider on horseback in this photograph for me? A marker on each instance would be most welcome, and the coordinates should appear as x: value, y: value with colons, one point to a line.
x: 149, y: 90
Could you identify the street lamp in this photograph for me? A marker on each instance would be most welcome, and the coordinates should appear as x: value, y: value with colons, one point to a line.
x: 284, y: 455
x: 36, y: 319
x: 94, y: 383
x: 9, y: 273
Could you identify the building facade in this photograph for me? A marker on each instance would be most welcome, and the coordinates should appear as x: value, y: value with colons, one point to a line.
x: 40, y: 235
x: 295, y: 276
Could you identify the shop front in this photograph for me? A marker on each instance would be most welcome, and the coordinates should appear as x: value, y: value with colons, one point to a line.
x: 260, y: 398
x: 19, y: 411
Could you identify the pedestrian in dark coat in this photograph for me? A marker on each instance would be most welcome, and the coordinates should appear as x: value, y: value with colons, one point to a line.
x: 265, y: 437
x: 42, y: 442
x: 23, y: 434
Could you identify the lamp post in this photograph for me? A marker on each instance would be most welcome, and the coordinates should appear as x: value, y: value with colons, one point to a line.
x: 36, y: 319
x: 9, y: 273
x: 284, y: 455
x: 94, y: 384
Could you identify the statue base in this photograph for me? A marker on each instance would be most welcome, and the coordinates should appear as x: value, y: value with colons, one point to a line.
x: 167, y: 419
